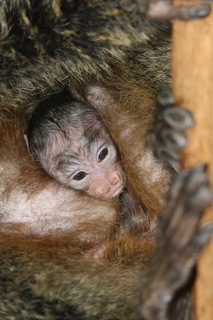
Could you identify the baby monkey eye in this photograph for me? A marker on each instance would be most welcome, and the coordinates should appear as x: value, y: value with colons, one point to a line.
x: 79, y: 176
x: 103, y: 154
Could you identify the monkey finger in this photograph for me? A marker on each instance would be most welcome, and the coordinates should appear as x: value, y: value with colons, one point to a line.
x: 164, y: 10
x: 173, y: 140
x: 186, y: 180
x: 201, y: 237
x: 201, y: 198
x: 165, y: 98
x: 195, y: 179
x: 165, y: 144
x: 177, y: 184
x: 188, y: 256
x: 190, y: 195
x: 169, y: 156
x: 174, y: 116
x: 191, y: 188
x: 178, y: 118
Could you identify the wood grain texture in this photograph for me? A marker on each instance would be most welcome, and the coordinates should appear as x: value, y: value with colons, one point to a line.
x: 192, y: 64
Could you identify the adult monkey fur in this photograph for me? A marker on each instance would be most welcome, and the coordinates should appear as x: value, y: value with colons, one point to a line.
x: 45, y: 47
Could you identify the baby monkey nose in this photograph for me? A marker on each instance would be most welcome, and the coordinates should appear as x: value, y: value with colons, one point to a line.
x: 103, y: 190
x: 115, y: 178
x: 110, y: 185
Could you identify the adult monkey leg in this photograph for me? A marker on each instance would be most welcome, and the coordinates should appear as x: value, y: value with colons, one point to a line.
x: 192, y: 76
x: 179, y: 243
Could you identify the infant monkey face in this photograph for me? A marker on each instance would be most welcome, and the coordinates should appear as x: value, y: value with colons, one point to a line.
x: 91, y: 166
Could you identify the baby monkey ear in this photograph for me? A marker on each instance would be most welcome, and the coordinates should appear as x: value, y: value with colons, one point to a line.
x: 99, y: 96
x: 26, y: 141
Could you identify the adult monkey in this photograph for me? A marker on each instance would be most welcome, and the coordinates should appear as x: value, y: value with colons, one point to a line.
x: 36, y: 291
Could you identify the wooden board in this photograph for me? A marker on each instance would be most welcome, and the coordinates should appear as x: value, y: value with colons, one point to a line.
x: 192, y: 68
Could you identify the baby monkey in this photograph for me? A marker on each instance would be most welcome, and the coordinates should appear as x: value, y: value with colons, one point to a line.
x: 69, y: 140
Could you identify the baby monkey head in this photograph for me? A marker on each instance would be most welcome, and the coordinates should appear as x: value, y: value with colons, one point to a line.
x: 68, y: 139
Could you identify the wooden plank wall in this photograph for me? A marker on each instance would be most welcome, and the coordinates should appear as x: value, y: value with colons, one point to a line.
x: 192, y: 67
